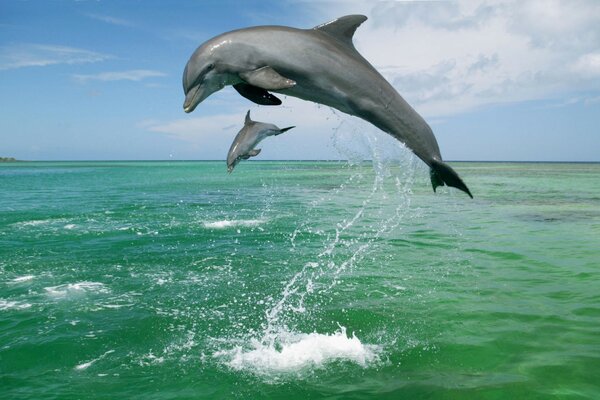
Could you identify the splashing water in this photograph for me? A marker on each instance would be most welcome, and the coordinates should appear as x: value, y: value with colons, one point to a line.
x: 279, y: 348
x: 298, y: 351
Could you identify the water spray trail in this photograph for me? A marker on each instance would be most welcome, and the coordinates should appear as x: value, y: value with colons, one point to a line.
x: 289, y: 290
x: 302, y: 283
x: 330, y: 195
x: 341, y: 228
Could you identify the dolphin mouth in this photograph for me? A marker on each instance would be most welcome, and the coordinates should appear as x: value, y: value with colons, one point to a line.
x: 231, y: 163
x: 191, y: 99
x: 231, y: 166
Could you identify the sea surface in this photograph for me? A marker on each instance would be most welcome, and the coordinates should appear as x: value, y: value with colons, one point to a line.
x: 299, y: 280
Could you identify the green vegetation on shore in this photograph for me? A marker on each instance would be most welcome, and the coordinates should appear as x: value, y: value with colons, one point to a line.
x: 7, y: 159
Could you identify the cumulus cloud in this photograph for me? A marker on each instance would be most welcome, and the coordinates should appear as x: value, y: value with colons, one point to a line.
x: 135, y: 75
x: 451, y: 57
x: 39, y: 55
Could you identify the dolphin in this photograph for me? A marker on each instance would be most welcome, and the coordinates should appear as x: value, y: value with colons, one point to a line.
x: 319, y: 65
x: 253, y: 132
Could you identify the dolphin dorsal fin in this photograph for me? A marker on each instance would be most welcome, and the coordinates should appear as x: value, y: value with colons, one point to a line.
x: 248, y: 120
x: 342, y: 28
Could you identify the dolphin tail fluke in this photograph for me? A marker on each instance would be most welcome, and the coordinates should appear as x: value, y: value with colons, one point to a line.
x: 442, y: 174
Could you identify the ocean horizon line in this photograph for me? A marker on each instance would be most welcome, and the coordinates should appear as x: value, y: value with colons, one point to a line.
x: 303, y: 160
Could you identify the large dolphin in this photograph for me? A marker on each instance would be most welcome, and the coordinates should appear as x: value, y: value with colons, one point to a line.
x: 319, y: 65
x: 253, y: 132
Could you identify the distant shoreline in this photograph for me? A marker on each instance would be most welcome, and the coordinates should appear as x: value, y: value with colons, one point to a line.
x: 8, y: 159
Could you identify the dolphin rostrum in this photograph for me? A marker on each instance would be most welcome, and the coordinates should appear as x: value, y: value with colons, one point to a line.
x: 253, y: 132
x: 319, y: 65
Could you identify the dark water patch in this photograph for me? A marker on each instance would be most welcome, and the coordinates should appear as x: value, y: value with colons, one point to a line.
x: 504, y: 255
x: 559, y: 216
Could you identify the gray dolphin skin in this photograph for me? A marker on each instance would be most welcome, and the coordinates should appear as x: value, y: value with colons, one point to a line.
x: 253, y: 132
x: 319, y: 65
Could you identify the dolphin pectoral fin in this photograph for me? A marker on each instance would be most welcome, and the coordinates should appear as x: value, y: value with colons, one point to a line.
x: 342, y: 28
x: 257, y: 95
x: 284, y: 130
x: 442, y: 174
x: 267, y: 78
x: 254, y: 153
x: 251, y: 153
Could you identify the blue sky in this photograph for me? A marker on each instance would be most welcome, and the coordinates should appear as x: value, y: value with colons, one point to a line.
x: 101, y: 80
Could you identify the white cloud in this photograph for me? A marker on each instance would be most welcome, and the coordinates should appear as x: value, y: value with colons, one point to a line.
x: 450, y: 57
x: 591, y: 100
x: 212, y: 135
x: 588, y: 65
x: 39, y: 55
x: 198, y: 129
x: 135, y: 75
x: 110, y: 20
x: 586, y: 100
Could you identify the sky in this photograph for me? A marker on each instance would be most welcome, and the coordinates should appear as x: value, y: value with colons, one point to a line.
x: 506, y: 80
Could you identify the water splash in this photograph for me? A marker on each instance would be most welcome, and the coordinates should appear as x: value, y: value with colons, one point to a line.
x: 298, y: 351
x: 279, y: 348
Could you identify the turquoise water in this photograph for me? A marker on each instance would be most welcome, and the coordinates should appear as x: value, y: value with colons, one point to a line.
x: 298, y: 280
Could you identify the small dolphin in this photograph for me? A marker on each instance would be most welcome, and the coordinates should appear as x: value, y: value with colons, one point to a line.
x: 253, y: 132
x: 319, y: 65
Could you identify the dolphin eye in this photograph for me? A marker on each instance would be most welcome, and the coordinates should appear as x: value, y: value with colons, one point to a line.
x: 206, y: 70
x: 202, y: 74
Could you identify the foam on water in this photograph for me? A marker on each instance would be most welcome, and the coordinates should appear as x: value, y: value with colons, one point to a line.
x: 49, y: 223
x: 233, y: 223
x: 76, y: 289
x: 295, y: 352
x: 36, y: 222
x: 87, y: 364
x: 13, y: 305
x: 23, y: 278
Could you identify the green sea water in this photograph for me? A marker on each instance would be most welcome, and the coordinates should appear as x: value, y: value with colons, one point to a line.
x: 298, y: 280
